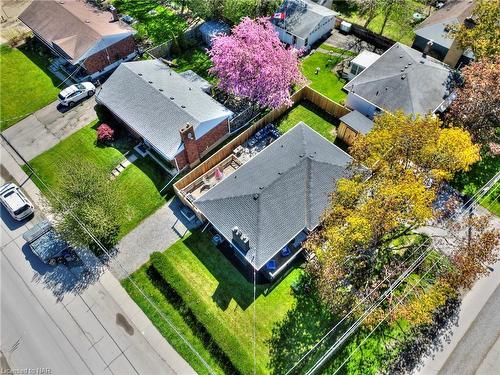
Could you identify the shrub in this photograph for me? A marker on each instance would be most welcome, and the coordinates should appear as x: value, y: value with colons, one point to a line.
x: 105, y: 133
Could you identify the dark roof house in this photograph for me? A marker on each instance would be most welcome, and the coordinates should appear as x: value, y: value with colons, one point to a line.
x: 304, y: 22
x: 277, y: 195
x: 401, y: 79
x: 80, y: 33
x: 156, y: 103
x: 436, y: 28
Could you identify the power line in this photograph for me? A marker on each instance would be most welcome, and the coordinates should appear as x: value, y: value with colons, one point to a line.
x: 351, y: 330
x: 103, y: 248
x: 469, y: 206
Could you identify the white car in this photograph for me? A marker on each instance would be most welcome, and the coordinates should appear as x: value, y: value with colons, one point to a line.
x: 15, y: 201
x: 72, y: 94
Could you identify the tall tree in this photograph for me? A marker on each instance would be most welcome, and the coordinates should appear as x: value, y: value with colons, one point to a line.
x: 397, y: 10
x: 252, y: 63
x: 399, y: 142
x: 477, y: 105
x: 87, y: 198
x: 483, y: 34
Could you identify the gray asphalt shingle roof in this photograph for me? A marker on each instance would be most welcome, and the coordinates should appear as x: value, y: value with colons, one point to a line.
x: 156, y: 102
x: 435, y: 26
x: 403, y: 79
x: 278, y: 193
x: 302, y: 16
x: 357, y: 121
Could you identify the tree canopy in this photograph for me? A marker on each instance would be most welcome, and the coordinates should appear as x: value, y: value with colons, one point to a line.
x: 252, y: 63
x: 484, y: 35
x: 477, y: 105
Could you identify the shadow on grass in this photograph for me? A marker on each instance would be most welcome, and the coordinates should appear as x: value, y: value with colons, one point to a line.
x: 198, y: 329
x: 39, y: 55
x: 231, y: 282
x: 346, y: 8
x: 301, y: 328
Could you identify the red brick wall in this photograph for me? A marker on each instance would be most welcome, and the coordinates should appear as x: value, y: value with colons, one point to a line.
x: 205, y: 142
x: 119, y: 50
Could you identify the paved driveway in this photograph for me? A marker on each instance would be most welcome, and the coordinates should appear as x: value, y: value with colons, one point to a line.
x: 47, y: 126
x: 156, y: 233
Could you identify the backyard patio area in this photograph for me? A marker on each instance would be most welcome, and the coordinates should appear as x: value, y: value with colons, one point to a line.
x: 23, y: 73
x: 136, y: 188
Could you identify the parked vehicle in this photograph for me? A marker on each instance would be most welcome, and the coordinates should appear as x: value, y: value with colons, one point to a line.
x: 72, y: 94
x: 15, y: 202
x: 47, y: 245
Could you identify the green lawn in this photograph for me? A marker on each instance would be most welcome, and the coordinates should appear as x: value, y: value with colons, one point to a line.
x: 326, y: 81
x: 195, y: 59
x: 481, y: 172
x: 159, y: 27
x: 137, y: 187
x: 312, y: 116
x: 398, y: 31
x: 25, y: 84
x: 337, y: 50
x: 221, y: 299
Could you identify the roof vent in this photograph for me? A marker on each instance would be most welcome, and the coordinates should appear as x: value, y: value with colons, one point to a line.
x: 87, y: 21
x: 402, y: 69
x: 160, y: 90
x: 280, y: 173
x: 190, y: 89
x: 255, y: 196
x: 400, y: 56
x: 139, y: 74
x: 376, y: 94
x: 403, y: 76
x: 171, y: 98
x: 183, y: 106
x: 261, y: 187
x: 311, y: 156
x: 150, y: 81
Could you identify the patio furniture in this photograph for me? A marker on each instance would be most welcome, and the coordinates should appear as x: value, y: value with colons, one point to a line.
x: 238, y: 151
x: 285, y: 251
x: 271, y: 265
x: 217, y: 239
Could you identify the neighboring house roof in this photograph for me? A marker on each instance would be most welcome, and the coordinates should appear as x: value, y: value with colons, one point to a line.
x: 156, y: 102
x: 277, y: 194
x: 302, y: 17
x: 210, y: 29
x: 402, y: 79
x: 365, y: 58
x: 435, y: 27
x: 358, y: 122
x: 73, y: 27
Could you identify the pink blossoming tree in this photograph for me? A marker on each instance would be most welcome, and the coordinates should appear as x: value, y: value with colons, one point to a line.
x: 252, y: 63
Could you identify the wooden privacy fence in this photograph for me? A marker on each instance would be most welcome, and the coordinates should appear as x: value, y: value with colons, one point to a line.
x: 305, y: 93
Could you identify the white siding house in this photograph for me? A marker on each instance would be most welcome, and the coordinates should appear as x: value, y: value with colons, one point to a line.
x: 304, y: 23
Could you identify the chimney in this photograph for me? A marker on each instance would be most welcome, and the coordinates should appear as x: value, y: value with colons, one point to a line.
x: 240, y: 239
x: 190, y: 145
x: 114, y: 12
x: 427, y: 49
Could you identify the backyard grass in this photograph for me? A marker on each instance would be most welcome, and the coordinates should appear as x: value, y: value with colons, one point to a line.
x: 326, y: 81
x: 337, y: 50
x: 195, y: 59
x: 470, y: 182
x: 137, y: 187
x: 154, y: 22
x: 26, y: 85
x: 312, y: 116
x: 401, y: 32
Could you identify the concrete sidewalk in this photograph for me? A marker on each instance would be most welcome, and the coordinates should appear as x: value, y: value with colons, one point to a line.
x: 92, y: 310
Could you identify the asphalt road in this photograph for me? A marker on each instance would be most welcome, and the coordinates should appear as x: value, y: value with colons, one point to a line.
x: 478, y: 352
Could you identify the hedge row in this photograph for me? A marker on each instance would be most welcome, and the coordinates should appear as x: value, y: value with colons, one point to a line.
x: 240, y: 359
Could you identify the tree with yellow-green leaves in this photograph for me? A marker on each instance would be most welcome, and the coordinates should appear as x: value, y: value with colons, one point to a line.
x: 482, y: 33
x: 357, y: 245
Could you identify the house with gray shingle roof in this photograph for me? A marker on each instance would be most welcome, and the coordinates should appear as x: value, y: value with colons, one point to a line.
x: 304, y: 22
x: 437, y: 27
x: 173, y: 115
x: 404, y: 79
x: 266, y: 208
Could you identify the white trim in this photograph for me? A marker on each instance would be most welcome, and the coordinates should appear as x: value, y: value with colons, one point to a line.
x: 279, y: 270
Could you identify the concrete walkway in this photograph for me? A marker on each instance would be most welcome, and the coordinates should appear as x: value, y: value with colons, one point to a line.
x: 155, y: 233
x: 48, y: 126
x: 98, y: 327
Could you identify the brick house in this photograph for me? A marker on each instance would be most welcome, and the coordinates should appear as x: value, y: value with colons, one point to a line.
x: 171, y: 113
x: 89, y: 40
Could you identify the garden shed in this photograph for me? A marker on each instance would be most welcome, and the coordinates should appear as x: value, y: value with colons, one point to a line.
x: 210, y: 29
